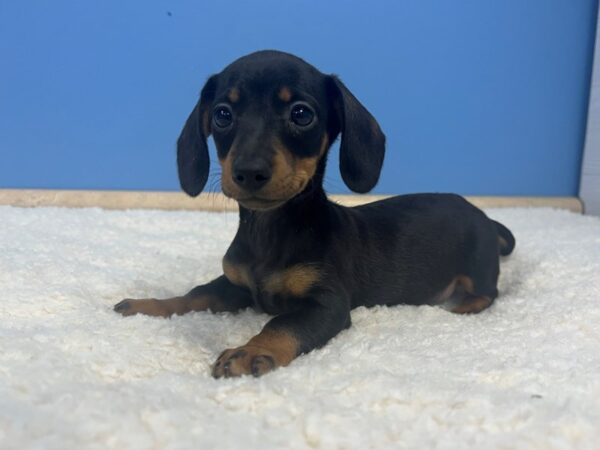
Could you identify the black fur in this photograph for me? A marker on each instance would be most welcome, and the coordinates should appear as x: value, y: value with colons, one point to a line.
x: 363, y: 144
x: 416, y: 249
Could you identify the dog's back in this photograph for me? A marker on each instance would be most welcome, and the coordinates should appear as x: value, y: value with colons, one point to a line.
x: 414, y: 248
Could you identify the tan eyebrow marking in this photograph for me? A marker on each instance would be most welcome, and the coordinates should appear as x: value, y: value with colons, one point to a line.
x: 284, y: 94
x: 233, y: 95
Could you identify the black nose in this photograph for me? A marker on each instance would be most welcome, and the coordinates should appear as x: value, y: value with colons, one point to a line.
x: 251, y: 174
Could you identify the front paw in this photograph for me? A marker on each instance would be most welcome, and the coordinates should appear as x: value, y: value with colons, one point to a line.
x: 147, y: 306
x: 244, y: 360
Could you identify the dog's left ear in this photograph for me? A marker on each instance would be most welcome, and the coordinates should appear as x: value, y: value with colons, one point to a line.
x: 192, y: 150
x: 363, y: 143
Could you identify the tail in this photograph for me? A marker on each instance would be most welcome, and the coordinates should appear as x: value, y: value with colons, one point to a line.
x: 506, y: 240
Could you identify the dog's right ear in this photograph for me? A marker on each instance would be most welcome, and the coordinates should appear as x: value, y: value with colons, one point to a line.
x: 192, y: 150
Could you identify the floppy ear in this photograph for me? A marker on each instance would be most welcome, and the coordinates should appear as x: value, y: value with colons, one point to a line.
x: 363, y: 143
x: 192, y: 151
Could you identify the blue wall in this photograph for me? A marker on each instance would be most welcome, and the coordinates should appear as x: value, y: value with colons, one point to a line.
x: 475, y: 96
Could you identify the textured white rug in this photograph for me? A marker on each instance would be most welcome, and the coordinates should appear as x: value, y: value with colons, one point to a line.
x: 74, y: 374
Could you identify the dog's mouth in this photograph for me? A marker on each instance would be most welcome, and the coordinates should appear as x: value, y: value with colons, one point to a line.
x: 260, y: 204
x: 263, y: 201
x: 255, y: 202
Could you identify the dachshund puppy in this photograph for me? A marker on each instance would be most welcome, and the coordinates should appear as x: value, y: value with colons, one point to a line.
x: 297, y: 256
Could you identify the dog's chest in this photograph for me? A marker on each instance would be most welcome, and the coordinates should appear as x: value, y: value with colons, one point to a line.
x: 273, y: 287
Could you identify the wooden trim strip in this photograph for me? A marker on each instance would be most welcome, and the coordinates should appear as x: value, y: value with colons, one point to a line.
x: 218, y: 202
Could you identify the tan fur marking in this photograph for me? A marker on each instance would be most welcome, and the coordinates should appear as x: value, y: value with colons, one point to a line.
x: 465, y: 282
x: 229, y: 187
x: 264, y: 352
x: 460, y: 290
x: 166, y: 307
x: 233, y: 95
x: 295, y: 281
x: 284, y: 94
x: 290, y: 174
x: 446, y: 293
x: 461, y: 282
x: 282, y: 162
x: 237, y: 274
x: 472, y: 305
x: 306, y: 167
x: 283, y: 346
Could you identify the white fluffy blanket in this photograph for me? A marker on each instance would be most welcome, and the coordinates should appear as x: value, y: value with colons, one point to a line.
x: 74, y: 374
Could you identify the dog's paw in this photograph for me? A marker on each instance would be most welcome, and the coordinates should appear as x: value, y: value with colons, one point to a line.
x: 244, y: 360
x: 147, y: 306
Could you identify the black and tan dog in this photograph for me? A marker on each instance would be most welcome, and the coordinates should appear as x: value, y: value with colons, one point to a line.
x: 298, y: 256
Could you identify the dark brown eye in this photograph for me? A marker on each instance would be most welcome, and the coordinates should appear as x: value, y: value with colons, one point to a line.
x: 222, y: 116
x: 302, y: 114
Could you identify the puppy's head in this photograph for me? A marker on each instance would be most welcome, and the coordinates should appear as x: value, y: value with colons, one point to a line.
x: 273, y: 118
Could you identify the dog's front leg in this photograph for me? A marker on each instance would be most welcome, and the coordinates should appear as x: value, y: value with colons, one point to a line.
x: 217, y: 296
x: 283, y: 339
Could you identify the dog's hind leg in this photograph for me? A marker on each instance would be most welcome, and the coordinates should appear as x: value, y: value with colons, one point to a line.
x: 462, y: 297
x: 476, y: 288
x: 472, y: 304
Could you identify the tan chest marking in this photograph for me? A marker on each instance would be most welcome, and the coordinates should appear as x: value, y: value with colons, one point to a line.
x: 294, y: 281
x: 237, y: 274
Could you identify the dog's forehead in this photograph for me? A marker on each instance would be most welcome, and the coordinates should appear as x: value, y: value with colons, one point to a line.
x: 262, y: 72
